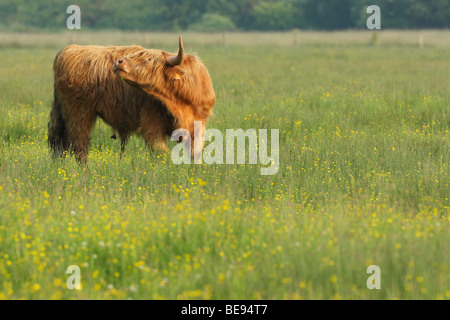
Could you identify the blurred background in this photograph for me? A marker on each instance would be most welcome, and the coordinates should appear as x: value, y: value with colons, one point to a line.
x: 223, y: 15
x: 224, y: 22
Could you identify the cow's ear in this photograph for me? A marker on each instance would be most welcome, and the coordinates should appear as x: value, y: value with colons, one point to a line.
x: 177, y: 74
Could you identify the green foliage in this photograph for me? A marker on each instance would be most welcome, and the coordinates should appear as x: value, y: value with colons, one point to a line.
x: 273, y: 15
x: 212, y: 22
x: 215, y: 15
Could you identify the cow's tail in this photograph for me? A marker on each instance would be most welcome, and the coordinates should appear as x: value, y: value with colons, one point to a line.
x: 57, y: 131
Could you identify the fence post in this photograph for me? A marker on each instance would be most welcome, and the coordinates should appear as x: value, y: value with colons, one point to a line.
x: 73, y: 37
x: 420, y: 40
x: 295, y: 37
x: 224, y: 38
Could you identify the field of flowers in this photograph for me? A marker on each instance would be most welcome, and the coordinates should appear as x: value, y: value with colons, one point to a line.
x: 363, y: 180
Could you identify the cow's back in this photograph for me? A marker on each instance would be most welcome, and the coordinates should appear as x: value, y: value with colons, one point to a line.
x: 84, y: 78
x: 86, y: 69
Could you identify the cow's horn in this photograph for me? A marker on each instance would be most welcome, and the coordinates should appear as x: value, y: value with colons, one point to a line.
x: 176, y: 61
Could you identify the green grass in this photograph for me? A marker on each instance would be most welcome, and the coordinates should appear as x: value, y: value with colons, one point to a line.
x: 363, y: 179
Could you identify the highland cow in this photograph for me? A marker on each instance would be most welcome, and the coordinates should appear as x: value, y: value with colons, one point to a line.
x: 166, y: 92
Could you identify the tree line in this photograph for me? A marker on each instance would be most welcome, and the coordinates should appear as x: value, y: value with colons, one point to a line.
x: 223, y: 15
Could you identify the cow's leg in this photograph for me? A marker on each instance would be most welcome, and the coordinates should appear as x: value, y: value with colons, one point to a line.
x: 155, y: 137
x: 197, y: 141
x: 123, y: 142
x: 153, y: 128
x: 196, y: 131
x: 79, y: 127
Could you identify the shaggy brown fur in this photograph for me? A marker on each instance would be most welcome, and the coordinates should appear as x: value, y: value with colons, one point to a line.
x: 185, y: 90
x: 86, y: 87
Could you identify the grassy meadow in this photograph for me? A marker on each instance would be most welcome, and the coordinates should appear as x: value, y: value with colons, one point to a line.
x: 363, y: 180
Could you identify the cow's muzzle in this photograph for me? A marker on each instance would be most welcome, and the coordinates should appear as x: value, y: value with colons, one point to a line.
x: 120, y: 64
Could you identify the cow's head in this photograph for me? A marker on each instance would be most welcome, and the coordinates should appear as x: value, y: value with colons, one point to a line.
x: 145, y: 67
x: 180, y: 81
